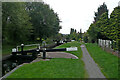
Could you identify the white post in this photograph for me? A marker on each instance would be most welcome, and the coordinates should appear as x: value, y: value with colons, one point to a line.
x: 101, y: 42
x: 110, y: 44
x: 107, y: 43
x: 104, y: 43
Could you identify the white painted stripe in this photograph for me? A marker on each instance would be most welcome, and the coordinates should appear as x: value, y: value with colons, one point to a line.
x: 14, y: 50
x: 71, y: 49
x: 74, y: 56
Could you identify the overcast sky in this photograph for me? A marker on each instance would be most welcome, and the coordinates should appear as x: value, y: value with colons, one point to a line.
x: 78, y: 14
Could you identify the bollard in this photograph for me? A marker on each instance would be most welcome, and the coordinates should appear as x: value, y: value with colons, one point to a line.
x: 44, y: 54
x: 22, y: 46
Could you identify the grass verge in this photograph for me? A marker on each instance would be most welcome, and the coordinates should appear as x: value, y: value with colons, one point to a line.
x: 55, y: 68
x: 107, y: 62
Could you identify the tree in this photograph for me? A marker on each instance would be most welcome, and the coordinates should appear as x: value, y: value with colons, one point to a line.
x: 101, y: 21
x: 114, y: 26
x: 102, y: 25
x: 44, y: 20
x: 15, y: 22
x: 80, y: 34
x: 71, y: 30
x: 106, y: 28
x: 73, y: 34
x: 85, y: 37
x: 93, y: 33
x: 102, y: 9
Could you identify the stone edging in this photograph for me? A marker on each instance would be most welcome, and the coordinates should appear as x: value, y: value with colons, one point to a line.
x: 6, y: 75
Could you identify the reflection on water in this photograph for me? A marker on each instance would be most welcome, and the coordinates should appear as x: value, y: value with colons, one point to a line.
x: 13, y: 61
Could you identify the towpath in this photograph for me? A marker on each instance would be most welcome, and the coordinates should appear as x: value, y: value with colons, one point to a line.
x: 90, y: 65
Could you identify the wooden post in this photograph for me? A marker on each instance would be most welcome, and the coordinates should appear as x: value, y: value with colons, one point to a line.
x: 44, y: 54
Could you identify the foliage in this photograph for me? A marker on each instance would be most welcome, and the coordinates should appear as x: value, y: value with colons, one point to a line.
x: 114, y: 24
x: 58, y: 37
x: 96, y: 29
x: 93, y: 33
x: 15, y: 21
x: 74, y: 35
x: 85, y: 37
x: 104, y: 27
x: 45, y: 22
x: 28, y: 21
x: 80, y: 34
x: 102, y: 9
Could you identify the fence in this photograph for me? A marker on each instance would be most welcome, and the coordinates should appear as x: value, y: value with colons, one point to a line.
x: 108, y: 44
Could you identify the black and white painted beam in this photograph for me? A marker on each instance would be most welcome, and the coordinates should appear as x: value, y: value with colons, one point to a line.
x: 47, y: 50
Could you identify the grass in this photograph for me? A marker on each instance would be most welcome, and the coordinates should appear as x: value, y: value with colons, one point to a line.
x: 73, y: 44
x: 107, y: 62
x: 55, y: 68
x: 28, y: 47
x: 7, y: 49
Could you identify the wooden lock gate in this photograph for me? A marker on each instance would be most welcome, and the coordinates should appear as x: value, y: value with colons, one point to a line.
x: 23, y: 52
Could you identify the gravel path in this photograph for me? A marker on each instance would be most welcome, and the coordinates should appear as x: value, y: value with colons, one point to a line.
x: 90, y: 65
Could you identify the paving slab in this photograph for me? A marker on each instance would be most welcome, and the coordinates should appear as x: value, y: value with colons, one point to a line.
x: 61, y: 55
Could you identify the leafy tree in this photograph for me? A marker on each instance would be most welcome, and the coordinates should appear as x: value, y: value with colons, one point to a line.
x: 85, y: 37
x: 101, y: 21
x: 58, y: 37
x: 45, y: 21
x: 71, y: 30
x: 114, y: 31
x: 15, y: 21
x: 93, y: 33
x: 102, y: 9
x: 114, y: 24
x: 102, y: 25
x: 106, y: 28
